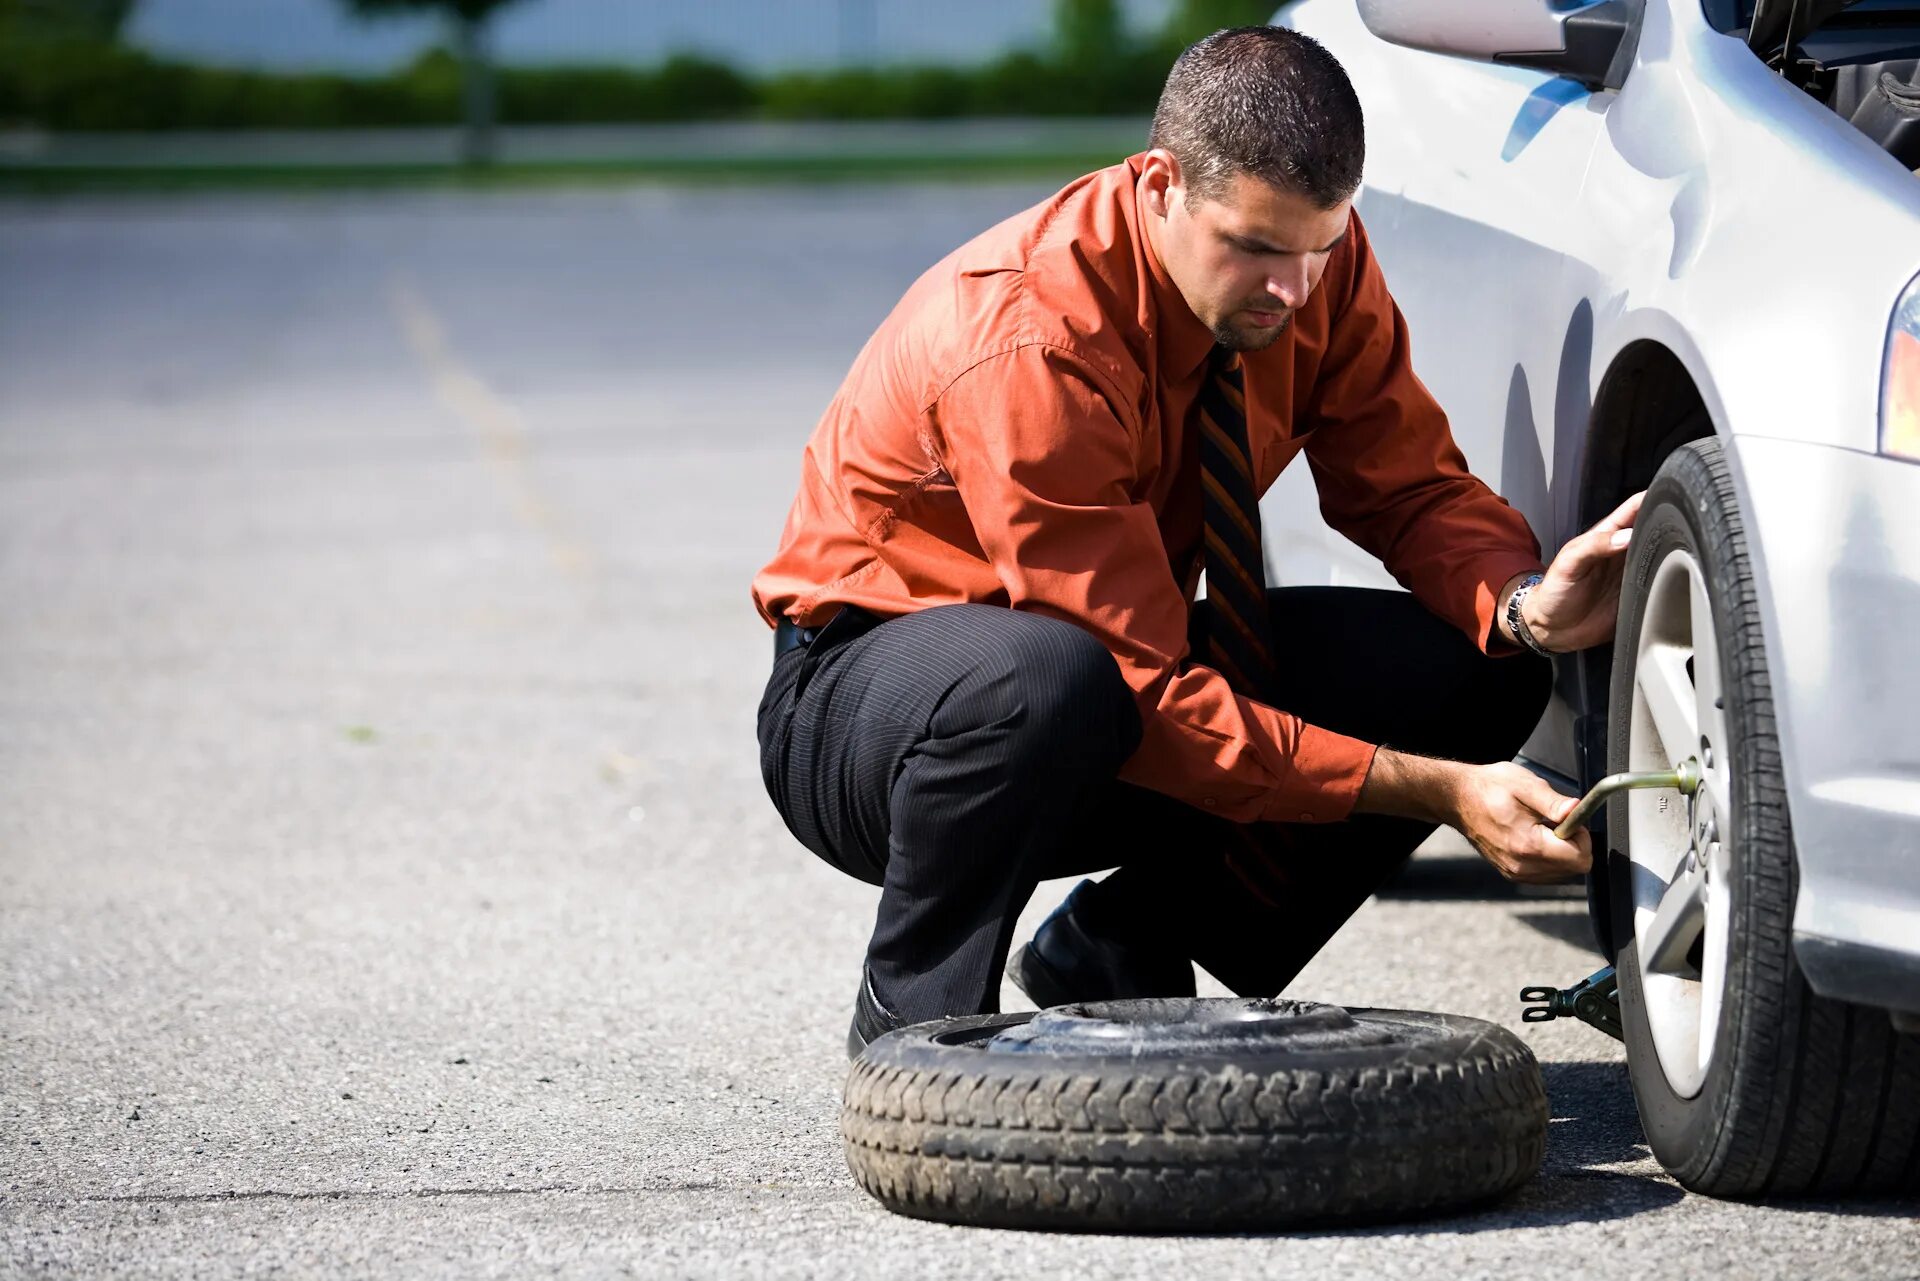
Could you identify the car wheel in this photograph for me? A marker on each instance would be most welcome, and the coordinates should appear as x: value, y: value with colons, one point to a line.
x: 1747, y: 1083
x: 1183, y: 1113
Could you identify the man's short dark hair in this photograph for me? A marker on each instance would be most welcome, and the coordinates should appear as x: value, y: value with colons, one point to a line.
x: 1263, y: 101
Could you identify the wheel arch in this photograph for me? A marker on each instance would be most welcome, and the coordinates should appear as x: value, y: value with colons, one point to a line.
x: 1647, y: 405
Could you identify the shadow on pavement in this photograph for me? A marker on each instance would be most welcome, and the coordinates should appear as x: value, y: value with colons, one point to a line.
x: 1593, y: 1119
x: 1550, y: 1201
x: 1568, y: 927
x: 1445, y: 877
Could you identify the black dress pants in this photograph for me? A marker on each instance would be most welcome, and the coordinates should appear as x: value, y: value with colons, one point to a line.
x: 957, y: 756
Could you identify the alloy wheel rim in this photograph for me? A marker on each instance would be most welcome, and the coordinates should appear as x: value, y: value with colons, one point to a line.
x: 1681, y: 855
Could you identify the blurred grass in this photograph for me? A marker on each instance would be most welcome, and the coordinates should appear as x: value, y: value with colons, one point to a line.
x: 68, y: 180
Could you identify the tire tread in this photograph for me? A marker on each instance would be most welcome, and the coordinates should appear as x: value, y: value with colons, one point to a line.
x: 1185, y: 1144
x: 1822, y: 1098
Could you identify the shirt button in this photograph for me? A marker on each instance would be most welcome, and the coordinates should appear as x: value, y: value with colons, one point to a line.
x: 1305, y: 817
x: 1207, y: 801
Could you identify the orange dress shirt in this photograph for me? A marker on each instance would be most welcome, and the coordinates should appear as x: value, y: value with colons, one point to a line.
x: 1019, y: 432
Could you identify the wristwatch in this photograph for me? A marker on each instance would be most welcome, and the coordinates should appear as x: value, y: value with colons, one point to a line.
x: 1517, y: 621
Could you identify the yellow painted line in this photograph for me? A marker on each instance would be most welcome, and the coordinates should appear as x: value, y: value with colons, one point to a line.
x: 494, y: 422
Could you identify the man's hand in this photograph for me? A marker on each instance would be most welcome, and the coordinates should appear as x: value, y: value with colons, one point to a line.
x: 1508, y: 813
x: 1575, y: 604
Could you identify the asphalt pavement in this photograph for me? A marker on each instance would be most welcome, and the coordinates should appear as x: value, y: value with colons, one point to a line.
x: 386, y: 883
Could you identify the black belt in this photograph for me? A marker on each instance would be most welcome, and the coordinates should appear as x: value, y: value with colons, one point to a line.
x: 786, y: 636
x: 850, y: 622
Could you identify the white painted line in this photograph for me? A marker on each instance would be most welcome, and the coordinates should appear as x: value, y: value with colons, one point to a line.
x: 494, y: 422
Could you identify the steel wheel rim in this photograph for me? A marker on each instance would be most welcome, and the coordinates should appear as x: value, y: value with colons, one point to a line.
x: 1680, y: 847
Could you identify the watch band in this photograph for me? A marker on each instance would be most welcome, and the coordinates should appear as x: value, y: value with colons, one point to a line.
x: 1517, y: 621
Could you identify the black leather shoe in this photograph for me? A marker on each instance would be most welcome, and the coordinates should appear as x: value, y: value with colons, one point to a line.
x: 871, y: 1019
x: 1069, y: 961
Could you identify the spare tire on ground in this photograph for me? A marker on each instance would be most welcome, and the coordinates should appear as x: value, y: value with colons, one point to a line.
x: 1156, y: 1115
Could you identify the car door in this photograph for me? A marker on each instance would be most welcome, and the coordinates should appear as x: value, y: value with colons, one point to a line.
x: 1471, y: 197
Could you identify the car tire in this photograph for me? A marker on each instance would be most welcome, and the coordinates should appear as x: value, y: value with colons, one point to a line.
x: 1779, y: 1092
x: 1187, y: 1113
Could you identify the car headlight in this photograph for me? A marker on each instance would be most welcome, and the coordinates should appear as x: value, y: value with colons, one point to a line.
x: 1900, y: 379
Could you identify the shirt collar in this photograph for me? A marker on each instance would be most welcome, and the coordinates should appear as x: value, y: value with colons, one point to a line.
x: 1184, y: 342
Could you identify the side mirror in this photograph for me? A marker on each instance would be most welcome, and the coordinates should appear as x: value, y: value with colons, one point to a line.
x: 1591, y: 41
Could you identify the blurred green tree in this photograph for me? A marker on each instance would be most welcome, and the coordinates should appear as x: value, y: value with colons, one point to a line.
x: 471, y: 19
x: 1096, y: 66
x: 1192, y: 19
x: 1088, y: 35
x: 97, y: 21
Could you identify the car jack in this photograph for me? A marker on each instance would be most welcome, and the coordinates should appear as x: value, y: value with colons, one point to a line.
x: 1594, y: 1000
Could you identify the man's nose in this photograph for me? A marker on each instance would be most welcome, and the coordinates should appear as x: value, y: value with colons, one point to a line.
x: 1291, y: 283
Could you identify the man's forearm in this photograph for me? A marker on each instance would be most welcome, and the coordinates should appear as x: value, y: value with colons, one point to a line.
x: 1409, y: 786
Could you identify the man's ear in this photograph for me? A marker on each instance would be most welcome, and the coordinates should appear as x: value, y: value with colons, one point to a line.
x: 1160, y: 181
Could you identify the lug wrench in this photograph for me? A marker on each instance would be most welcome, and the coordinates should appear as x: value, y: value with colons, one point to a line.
x: 1685, y: 777
x: 1596, y: 999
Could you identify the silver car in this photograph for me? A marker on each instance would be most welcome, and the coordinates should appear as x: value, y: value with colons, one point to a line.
x: 1673, y: 245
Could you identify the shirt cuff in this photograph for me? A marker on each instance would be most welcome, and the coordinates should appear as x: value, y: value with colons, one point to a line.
x: 1324, y: 783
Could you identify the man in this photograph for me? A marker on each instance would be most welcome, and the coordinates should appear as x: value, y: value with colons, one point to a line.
x: 990, y: 667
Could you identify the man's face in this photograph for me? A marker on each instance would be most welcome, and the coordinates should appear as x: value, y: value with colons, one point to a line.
x: 1245, y: 262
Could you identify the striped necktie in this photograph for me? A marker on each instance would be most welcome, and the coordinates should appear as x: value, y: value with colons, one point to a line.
x: 1239, y: 631
x: 1239, y: 628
